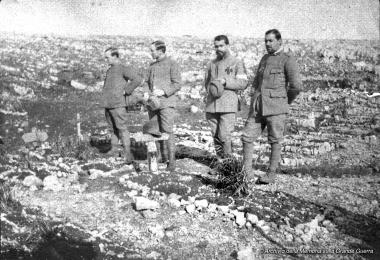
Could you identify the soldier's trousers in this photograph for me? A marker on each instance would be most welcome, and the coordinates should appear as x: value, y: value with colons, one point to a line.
x: 222, y: 125
x: 165, y: 118
x: 254, y: 126
x: 117, y: 119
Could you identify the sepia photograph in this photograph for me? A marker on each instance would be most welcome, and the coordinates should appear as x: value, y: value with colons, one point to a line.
x: 200, y: 129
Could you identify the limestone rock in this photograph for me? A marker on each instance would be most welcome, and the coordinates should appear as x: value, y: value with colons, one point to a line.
x: 246, y: 254
x: 52, y: 183
x: 240, y: 219
x: 157, y: 230
x: 190, y: 208
x: 223, y: 209
x: 175, y: 203
x: 194, y: 109
x: 252, y: 218
x: 149, y: 214
x: 32, y: 180
x: 201, y: 203
x: 142, y: 203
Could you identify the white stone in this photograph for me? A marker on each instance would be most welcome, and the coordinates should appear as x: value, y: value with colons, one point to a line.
x: 212, y: 207
x: 265, y: 229
x: 174, y: 203
x: 194, y: 109
x: 132, y: 193
x: 260, y: 223
x: 184, y: 202
x: 32, y: 181
x: 252, y: 218
x: 52, y: 183
x: 223, y: 209
x: 153, y: 255
x: 201, y: 203
x: 191, y: 199
x: 144, y: 203
x: 190, y: 208
x: 157, y: 230
x: 246, y: 254
x: 174, y: 196
x: 240, y: 219
x: 77, y: 85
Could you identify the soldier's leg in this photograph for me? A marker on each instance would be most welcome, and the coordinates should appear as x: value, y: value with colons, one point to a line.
x: 213, y: 120
x: 166, y: 122
x: 121, y: 120
x: 226, y: 126
x: 253, y: 128
x: 161, y: 152
x: 276, y: 126
x: 113, y: 131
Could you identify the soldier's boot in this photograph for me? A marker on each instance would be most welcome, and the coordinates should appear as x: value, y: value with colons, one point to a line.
x: 171, y: 153
x: 275, y: 155
x: 114, y: 145
x: 247, y: 160
x: 164, y: 150
x: 125, y: 138
x: 159, y: 154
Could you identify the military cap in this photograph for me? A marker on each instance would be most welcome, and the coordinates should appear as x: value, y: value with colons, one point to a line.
x: 216, y: 88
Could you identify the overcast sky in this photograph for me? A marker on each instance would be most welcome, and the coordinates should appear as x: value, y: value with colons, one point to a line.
x: 317, y: 19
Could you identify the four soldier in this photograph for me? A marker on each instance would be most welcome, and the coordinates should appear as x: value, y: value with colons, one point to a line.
x: 276, y: 84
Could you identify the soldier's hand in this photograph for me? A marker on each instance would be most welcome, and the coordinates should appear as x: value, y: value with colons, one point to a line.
x: 146, y: 96
x: 158, y: 92
x: 222, y: 80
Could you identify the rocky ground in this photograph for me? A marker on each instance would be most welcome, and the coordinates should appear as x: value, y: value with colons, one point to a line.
x: 62, y: 198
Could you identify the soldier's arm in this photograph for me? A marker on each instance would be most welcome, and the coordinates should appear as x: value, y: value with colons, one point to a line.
x: 207, y: 76
x: 134, y: 79
x: 240, y: 79
x: 293, y: 79
x: 175, y: 80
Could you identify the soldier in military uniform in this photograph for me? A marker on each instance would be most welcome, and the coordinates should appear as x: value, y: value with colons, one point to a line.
x: 164, y: 80
x: 225, y: 75
x: 119, y: 85
x: 275, y: 86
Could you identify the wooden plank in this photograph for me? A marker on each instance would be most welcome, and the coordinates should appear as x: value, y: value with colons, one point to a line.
x: 140, y: 137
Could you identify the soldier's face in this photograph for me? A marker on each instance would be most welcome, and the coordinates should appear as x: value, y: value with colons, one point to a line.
x: 220, y: 48
x: 109, y: 58
x: 154, y: 52
x: 271, y: 43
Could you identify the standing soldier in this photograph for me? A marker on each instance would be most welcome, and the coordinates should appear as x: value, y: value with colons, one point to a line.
x: 277, y: 83
x: 164, y: 80
x: 225, y: 75
x: 119, y: 84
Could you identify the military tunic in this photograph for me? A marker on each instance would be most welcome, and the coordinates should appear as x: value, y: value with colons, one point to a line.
x: 221, y: 111
x: 276, y: 85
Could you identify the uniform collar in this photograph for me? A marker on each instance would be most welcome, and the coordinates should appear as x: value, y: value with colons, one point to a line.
x: 278, y: 52
x: 161, y: 58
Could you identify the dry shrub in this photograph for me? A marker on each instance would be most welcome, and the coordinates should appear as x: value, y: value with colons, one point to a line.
x: 72, y: 146
x: 7, y: 201
x: 232, y: 176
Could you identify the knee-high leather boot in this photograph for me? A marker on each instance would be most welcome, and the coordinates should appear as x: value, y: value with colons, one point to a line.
x: 275, y: 156
x: 125, y: 138
x: 171, y: 152
x: 248, y: 156
x: 114, y: 145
